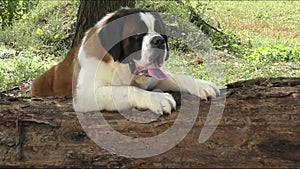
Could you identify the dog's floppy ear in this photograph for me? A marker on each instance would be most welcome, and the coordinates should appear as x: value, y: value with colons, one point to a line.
x: 110, y: 36
x: 167, y: 47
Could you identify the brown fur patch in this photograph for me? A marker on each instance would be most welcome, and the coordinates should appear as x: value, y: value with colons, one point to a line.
x: 56, y: 81
x: 90, y: 33
x: 93, y: 48
x: 107, y: 58
x: 128, y: 28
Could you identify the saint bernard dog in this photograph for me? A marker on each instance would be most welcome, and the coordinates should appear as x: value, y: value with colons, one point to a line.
x: 118, y: 66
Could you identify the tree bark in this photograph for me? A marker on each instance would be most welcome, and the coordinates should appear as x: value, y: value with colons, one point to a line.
x: 91, y: 11
x: 259, y: 128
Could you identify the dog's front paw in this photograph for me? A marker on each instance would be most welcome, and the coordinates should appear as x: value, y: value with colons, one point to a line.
x: 206, y: 90
x: 159, y: 103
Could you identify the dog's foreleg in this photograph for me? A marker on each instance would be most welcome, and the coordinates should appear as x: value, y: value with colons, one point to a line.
x: 118, y: 98
x: 187, y: 84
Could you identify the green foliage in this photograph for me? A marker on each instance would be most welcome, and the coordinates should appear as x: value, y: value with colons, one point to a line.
x: 13, y: 10
x: 195, y: 11
x: 36, y: 42
x: 168, y: 6
x: 39, y: 37
x: 276, y: 53
x: 23, y: 67
x: 244, y: 55
x: 230, y: 42
x: 46, y: 28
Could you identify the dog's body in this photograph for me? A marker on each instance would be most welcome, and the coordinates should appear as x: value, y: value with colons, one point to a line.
x: 57, y: 81
x: 117, y: 66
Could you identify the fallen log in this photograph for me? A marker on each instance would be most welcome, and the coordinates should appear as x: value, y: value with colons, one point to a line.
x: 260, y: 127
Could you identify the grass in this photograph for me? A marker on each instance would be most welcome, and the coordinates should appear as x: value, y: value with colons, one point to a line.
x: 44, y: 27
x: 265, y: 25
x: 21, y: 67
x: 269, y: 32
x: 275, y: 19
x: 35, y: 43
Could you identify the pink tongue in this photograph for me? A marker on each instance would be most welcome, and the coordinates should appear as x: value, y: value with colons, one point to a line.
x: 157, y: 74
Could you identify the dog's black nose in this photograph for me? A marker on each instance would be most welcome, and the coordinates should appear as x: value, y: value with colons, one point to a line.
x: 158, y: 42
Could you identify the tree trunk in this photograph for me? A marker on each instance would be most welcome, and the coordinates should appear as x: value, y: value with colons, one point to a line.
x: 259, y: 128
x: 91, y: 11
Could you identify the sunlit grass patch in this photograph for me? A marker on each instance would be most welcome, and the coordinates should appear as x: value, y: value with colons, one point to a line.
x: 268, y: 18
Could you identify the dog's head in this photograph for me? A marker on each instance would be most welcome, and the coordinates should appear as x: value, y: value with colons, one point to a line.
x: 136, y: 37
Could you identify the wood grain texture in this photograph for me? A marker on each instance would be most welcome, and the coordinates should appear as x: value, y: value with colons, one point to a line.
x: 260, y: 127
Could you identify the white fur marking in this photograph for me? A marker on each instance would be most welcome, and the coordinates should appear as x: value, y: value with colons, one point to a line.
x: 149, y: 20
